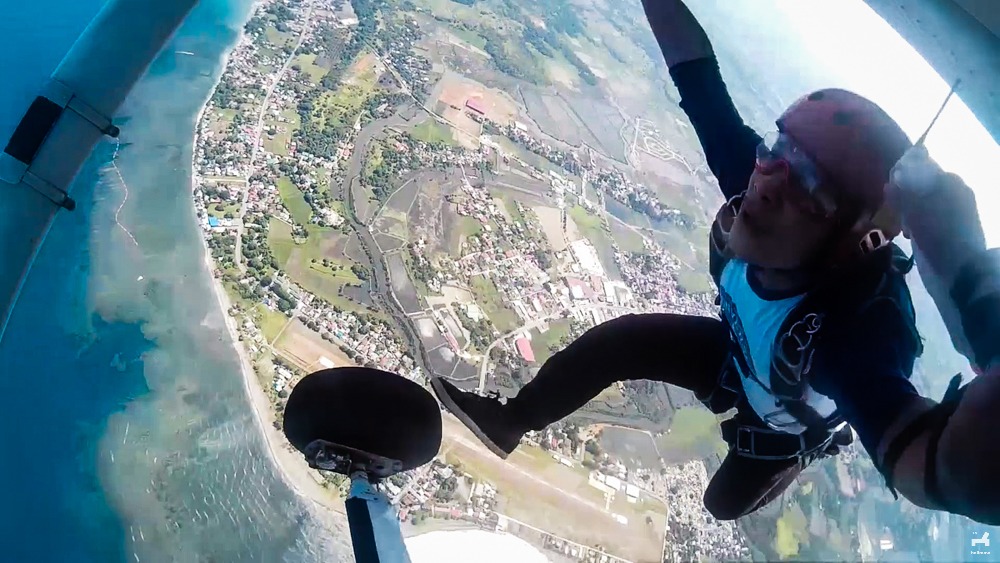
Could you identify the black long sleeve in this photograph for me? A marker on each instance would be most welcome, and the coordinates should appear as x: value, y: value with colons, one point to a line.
x: 976, y: 294
x: 729, y: 144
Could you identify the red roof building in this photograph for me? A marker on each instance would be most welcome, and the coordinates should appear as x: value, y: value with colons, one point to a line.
x: 476, y: 105
x: 524, y: 348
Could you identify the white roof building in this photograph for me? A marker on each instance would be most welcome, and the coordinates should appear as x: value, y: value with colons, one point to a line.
x: 586, y: 256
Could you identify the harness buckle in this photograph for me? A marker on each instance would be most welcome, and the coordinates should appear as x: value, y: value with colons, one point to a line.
x: 744, y: 446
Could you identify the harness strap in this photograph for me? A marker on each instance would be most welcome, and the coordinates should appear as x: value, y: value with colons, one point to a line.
x: 766, y: 444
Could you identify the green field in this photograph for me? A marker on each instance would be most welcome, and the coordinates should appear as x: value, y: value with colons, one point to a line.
x: 283, y: 132
x: 694, y: 282
x: 541, y: 342
x: 308, y: 65
x: 297, y: 260
x: 293, y: 199
x: 589, y: 224
x: 220, y: 120
x: 231, y: 208
x: 340, y: 108
x: 488, y: 297
x: 430, y: 131
x: 278, y: 38
x: 792, y: 532
x: 470, y: 37
x: 466, y: 227
x: 694, y: 434
x: 270, y: 322
x: 627, y: 239
x: 373, y: 159
x: 279, y: 238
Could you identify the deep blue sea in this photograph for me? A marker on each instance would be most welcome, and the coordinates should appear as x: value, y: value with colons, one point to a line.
x: 127, y: 434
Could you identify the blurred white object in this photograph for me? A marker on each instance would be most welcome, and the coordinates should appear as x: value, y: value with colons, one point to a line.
x: 916, y: 172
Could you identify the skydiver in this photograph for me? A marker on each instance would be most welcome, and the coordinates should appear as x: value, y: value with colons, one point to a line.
x: 817, y: 327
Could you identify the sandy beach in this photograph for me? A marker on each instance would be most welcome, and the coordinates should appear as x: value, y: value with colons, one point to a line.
x: 304, y: 481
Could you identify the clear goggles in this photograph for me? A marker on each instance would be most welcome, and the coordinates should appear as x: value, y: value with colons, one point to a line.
x: 777, y: 153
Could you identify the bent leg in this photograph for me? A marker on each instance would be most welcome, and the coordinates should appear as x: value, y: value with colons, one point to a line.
x: 682, y: 350
x: 743, y: 485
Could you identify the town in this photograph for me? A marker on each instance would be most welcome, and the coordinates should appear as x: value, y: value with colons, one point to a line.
x: 288, y: 188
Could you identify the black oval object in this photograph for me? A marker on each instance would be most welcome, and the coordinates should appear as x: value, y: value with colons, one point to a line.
x: 367, y: 409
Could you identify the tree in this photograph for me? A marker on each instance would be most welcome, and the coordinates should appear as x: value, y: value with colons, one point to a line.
x: 219, y: 207
x: 285, y: 305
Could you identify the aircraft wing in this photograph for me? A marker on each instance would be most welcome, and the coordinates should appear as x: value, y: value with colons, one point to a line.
x: 57, y: 116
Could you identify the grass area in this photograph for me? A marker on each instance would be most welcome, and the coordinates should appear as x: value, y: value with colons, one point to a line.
x: 627, y: 239
x: 220, y: 120
x: 488, y: 297
x: 691, y: 247
x: 587, y: 222
x: 374, y: 158
x: 693, y: 434
x: 558, y: 69
x: 515, y: 214
x: 470, y: 37
x: 279, y: 238
x: 469, y: 226
x: 694, y: 282
x: 233, y: 291
x: 308, y: 65
x: 340, y: 108
x: 270, y: 322
x: 231, y: 208
x: 792, y: 532
x: 535, y: 161
x: 277, y: 38
x: 611, y: 396
x: 536, y: 489
x: 297, y: 260
x: 449, y: 10
x: 283, y: 130
x: 542, y: 342
x: 293, y: 199
x: 430, y: 131
x: 464, y: 228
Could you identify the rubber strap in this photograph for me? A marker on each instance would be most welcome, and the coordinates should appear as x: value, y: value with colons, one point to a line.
x: 933, y: 420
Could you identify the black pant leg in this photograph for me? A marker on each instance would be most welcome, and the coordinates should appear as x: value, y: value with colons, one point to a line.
x: 743, y: 485
x: 682, y: 350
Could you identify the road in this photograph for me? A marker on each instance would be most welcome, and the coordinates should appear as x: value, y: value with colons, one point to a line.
x: 259, y: 131
x: 535, y: 324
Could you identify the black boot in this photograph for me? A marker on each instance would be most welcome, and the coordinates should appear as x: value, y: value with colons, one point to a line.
x: 487, y: 417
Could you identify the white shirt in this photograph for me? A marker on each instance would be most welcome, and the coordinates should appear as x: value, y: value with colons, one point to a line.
x: 743, y: 308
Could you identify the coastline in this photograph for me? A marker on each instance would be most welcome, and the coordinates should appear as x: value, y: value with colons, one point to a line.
x: 293, y: 471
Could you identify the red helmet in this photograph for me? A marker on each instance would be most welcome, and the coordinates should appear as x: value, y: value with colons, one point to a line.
x: 855, y: 144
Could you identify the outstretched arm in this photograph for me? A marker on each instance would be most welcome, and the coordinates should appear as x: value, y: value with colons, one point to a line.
x: 729, y: 144
x: 939, y: 456
x: 677, y: 31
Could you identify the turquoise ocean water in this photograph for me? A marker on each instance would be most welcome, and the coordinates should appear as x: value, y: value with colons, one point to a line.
x: 127, y: 432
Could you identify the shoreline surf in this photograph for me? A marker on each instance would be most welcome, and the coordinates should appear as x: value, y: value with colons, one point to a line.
x: 293, y: 471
